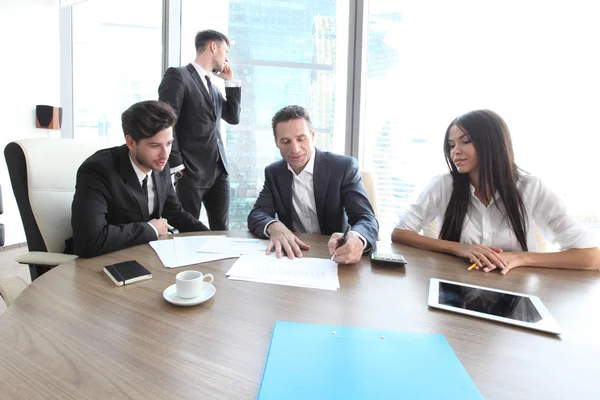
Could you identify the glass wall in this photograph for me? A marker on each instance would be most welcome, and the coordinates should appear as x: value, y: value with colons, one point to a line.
x: 284, y: 53
x: 117, y: 53
x: 532, y: 62
x: 426, y: 63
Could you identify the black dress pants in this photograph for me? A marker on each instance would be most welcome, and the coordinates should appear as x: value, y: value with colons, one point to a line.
x: 214, y: 193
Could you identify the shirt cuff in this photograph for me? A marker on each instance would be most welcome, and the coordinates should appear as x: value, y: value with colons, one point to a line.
x: 233, y: 83
x: 178, y: 168
x: 266, y: 226
x: 153, y: 228
x: 361, y: 237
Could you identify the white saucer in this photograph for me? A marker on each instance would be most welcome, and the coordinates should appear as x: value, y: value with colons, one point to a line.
x: 170, y: 295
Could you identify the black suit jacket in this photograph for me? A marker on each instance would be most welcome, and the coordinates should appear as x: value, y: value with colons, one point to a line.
x: 340, y: 198
x: 197, y: 133
x: 110, y: 210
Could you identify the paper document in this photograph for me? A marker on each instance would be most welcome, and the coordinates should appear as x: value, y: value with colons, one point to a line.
x: 239, y: 246
x: 317, y: 273
x: 182, y: 251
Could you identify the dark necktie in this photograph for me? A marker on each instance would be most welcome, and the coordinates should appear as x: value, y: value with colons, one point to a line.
x: 211, y: 92
x: 145, y: 187
x: 212, y: 97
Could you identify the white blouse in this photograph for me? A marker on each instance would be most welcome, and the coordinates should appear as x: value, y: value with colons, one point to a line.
x: 489, y: 226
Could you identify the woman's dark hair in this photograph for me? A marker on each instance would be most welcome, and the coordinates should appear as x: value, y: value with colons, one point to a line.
x: 146, y: 118
x: 497, y: 172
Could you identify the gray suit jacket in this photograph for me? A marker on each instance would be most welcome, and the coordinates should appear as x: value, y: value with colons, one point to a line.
x: 197, y: 133
x: 339, y: 196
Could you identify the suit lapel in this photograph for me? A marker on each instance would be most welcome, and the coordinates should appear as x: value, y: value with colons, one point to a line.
x: 284, y: 183
x: 133, y: 184
x: 321, y: 175
x: 201, y: 86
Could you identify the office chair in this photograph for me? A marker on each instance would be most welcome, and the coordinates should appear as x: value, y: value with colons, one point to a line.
x: 369, y: 186
x: 432, y: 232
x: 42, y: 173
x: 11, y: 287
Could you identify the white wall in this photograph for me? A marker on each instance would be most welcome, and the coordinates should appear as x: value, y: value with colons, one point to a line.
x: 29, y: 75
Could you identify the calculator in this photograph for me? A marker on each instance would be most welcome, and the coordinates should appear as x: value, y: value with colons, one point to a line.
x: 388, y: 258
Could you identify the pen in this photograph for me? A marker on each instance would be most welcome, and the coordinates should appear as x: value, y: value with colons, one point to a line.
x: 472, y: 266
x: 341, y: 242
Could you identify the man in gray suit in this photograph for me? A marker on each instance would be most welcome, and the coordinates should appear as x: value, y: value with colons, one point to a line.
x: 311, y: 191
x: 198, y: 156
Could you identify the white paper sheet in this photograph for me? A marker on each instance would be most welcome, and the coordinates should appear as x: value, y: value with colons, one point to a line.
x: 182, y: 251
x: 318, y: 273
x: 239, y: 246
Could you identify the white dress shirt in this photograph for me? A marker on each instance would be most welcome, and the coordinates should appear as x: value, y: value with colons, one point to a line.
x: 203, y: 73
x: 490, y: 226
x: 150, y: 185
x: 304, y: 215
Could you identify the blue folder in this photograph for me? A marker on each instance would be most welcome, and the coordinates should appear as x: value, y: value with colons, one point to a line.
x: 332, y: 362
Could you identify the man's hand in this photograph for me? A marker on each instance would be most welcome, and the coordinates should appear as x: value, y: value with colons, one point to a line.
x: 283, y: 238
x: 226, y: 74
x: 484, y: 256
x: 161, y: 225
x: 350, y: 252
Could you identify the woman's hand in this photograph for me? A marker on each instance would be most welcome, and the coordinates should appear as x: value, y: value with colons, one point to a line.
x: 486, y: 258
x: 511, y: 260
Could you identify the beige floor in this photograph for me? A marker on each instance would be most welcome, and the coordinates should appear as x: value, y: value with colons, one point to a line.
x: 8, y: 266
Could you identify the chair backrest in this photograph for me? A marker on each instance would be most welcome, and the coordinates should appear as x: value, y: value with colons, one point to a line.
x: 432, y: 232
x: 42, y: 173
x: 369, y: 186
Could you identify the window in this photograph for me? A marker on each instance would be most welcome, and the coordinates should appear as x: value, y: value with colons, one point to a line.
x: 117, y: 54
x: 532, y: 62
x: 284, y: 53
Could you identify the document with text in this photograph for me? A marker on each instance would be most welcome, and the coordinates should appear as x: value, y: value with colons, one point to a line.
x: 183, y: 251
x: 232, y: 245
x: 317, y: 273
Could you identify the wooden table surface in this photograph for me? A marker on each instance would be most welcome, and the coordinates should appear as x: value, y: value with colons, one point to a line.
x: 73, y: 334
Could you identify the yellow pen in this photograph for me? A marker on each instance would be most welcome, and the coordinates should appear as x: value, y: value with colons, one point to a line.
x: 472, y: 266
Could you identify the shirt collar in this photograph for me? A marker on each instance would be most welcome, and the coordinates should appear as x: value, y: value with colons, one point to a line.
x: 138, y: 172
x: 496, y: 194
x: 201, y: 70
x: 310, y: 165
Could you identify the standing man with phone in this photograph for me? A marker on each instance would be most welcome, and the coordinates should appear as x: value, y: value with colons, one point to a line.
x: 198, y: 156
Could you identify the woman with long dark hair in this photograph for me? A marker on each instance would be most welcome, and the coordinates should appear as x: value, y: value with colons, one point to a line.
x: 486, y: 206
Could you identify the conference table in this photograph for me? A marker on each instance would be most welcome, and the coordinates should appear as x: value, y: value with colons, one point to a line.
x: 73, y: 334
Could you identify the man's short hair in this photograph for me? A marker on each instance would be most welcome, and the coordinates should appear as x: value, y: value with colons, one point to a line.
x: 203, y: 38
x: 289, y: 113
x: 146, y: 118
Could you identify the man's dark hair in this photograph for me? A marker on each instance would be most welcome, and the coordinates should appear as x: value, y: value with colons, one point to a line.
x: 146, y: 118
x: 203, y: 38
x: 289, y: 113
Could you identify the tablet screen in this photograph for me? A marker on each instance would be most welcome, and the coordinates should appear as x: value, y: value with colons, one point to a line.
x: 488, y: 302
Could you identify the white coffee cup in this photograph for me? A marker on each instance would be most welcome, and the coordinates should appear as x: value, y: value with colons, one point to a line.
x: 192, y: 284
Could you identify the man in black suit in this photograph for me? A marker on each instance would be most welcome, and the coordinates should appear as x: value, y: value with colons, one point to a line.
x: 311, y: 191
x: 198, y: 155
x: 123, y: 195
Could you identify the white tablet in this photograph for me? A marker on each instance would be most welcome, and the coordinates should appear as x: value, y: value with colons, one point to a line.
x: 498, y: 305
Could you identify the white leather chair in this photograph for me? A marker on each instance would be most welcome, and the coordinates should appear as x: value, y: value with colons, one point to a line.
x: 369, y: 186
x: 42, y: 173
x: 432, y: 232
x: 11, y: 287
